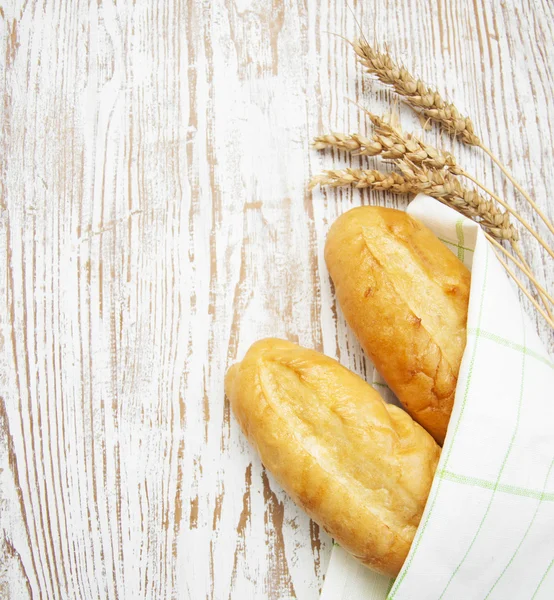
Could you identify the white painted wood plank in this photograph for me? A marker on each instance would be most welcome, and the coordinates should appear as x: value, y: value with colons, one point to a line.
x: 155, y: 221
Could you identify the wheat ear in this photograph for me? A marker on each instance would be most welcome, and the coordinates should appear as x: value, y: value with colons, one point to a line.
x: 356, y: 144
x: 363, y: 178
x: 444, y: 187
x: 518, y: 187
x: 417, y: 94
x: 524, y: 290
x: 523, y: 266
x: 401, y: 184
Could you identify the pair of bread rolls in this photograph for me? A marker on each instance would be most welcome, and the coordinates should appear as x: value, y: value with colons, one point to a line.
x: 360, y: 467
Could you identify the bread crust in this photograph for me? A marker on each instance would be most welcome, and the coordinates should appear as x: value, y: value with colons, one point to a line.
x: 359, y: 467
x: 405, y: 295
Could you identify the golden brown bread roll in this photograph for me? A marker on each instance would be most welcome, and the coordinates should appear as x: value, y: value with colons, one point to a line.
x: 405, y: 295
x: 359, y: 467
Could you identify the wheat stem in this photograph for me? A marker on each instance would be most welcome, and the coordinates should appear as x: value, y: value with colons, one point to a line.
x: 524, y: 290
x: 523, y: 265
x: 511, y: 211
x: 363, y: 178
x: 518, y: 187
x: 419, y: 152
x: 544, y: 296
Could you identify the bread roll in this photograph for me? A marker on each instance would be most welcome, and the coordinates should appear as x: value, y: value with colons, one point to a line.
x: 359, y: 467
x: 405, y: 295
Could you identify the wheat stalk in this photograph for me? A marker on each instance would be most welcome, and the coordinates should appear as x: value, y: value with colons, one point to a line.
x: 524, y: 290
x: 523, y: 221
x: 430, y: 103
x: 518, y: 187
x: 356, y: 144
x: 392, y: 143
x: 428, y: 170
x: 426, y: 155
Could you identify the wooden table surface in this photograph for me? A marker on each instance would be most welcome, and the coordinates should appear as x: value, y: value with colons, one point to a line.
x: 155, y: 221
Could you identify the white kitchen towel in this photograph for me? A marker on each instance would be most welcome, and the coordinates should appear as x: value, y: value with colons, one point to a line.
x: 487, y: 531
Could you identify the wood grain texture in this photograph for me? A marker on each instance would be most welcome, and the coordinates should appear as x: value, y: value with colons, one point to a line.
x: 155, y: 221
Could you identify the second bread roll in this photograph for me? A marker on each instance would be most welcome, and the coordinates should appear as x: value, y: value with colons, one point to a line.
x: 405, y: 295
x: 359, y: 467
